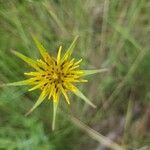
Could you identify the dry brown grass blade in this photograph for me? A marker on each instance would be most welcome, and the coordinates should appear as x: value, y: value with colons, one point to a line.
x: 96, y: 135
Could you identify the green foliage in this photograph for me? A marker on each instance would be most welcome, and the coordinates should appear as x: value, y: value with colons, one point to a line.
x: 112, y: 34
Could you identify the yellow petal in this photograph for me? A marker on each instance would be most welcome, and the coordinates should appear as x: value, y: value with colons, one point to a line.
x: 59, y: 54
x: 33, y: 73
x: 56, y: 95
x: 51, y: 90
x: 37, y: 86
x: 42, y: 64
x: 74, y: 67
x: 65, y: 94
x: 78, y: 62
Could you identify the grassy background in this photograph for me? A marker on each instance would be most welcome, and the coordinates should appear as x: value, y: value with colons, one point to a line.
x: 114, y: 34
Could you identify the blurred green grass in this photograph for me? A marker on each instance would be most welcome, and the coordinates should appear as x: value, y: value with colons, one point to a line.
x: 113, y: 34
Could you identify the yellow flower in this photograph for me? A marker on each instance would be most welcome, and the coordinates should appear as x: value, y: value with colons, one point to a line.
x: 54, y: 76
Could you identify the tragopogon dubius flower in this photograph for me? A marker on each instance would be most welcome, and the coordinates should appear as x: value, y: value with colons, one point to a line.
x: 54, y: 76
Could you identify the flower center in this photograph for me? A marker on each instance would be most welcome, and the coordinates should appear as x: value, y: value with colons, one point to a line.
x: 55, y: 76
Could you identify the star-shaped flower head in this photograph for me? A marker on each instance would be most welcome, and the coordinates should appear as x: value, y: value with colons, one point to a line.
x: 54, y: 76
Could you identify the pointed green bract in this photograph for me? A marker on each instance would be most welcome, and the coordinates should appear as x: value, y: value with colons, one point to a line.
x: 82, y: 96
x: 38, y: 102
x: 39, y: 46
x: 70, y: 49
x: 19, y: 83
x: 55, y: 106
x: 28, y: 60
x: 90, y: 72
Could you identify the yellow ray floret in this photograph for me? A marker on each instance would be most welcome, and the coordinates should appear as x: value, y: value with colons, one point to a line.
x: 54, y: 77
